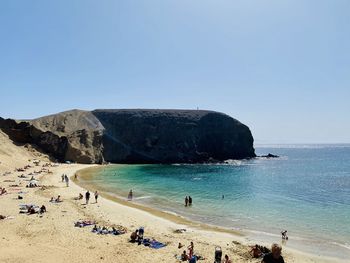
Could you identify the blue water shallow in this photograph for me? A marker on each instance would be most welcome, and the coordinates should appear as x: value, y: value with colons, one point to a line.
x: 306, y: 191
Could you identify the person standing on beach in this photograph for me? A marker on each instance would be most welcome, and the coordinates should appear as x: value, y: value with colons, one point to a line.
x: 87, y: 196
x: 67, y: 180
x: 62, y: 177
x: 96, y: 196
x: 130, y: 195
x: 186, y: 201
x: 189, y: 200
x: 190, y: 250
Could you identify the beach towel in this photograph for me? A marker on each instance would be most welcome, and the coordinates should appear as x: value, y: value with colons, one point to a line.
x: 156, y: 244
x: 153, y: 243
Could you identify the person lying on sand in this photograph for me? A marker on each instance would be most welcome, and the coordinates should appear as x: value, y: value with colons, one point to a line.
x: 31, y: 210
x: 103, y: 231
x: 42, y: 209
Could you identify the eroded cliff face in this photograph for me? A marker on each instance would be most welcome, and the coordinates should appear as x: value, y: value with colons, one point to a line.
x: 136, y: 136
x: 24, y: 132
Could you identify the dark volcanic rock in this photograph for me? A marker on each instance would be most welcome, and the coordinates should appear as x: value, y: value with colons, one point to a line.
x: 270, y: 155
x: 136, y: 136
x: 172, y: 136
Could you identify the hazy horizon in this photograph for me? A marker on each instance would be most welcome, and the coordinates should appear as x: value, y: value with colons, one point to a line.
x: 282, y: 68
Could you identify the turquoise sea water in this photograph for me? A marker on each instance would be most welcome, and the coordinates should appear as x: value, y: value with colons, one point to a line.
x: 306, y: 191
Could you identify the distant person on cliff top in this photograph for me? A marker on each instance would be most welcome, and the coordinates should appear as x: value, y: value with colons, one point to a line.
x: 96, y: 196
x: 274, y: 256
x: 87, y: 197
x: 130, y: 195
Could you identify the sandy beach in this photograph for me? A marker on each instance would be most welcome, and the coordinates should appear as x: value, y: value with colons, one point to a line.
x: 52, y: 237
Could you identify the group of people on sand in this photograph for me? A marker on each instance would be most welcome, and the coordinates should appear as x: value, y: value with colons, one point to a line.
x: 269, y: 256
x: 137, y: 235
x: 104, y: 230
x: 56, y: 200
x: 87, y: 196
x: 31, y: 209
x: 192, y: 258
x: 188, y: 201
x: 187, y: 256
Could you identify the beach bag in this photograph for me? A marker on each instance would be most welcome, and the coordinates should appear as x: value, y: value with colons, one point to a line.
x: 193, y: 259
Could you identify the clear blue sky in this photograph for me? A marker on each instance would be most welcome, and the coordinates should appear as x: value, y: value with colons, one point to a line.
x: 281, y: 67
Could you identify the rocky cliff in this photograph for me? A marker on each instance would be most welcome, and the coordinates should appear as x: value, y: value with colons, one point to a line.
x: 136, y: 136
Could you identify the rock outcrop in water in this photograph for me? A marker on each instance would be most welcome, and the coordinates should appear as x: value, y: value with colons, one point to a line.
x: 136, y: 136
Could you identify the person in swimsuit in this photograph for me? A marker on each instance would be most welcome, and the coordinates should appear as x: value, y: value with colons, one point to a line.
x: 190, y: 250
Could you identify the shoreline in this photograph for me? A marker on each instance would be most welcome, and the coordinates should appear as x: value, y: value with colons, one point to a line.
x: 153, y: 211
x: 238, y: 235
